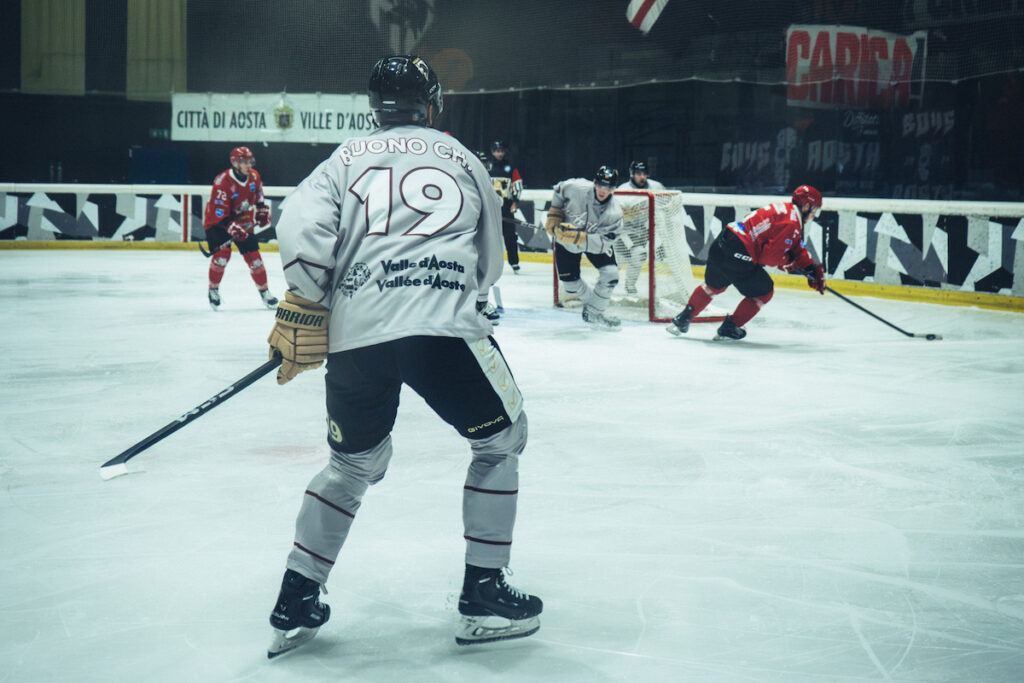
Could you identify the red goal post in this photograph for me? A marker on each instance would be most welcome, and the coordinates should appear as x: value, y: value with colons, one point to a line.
x: 655, y: 273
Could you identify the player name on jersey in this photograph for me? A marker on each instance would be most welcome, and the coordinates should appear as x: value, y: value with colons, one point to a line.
x: 401, y: 145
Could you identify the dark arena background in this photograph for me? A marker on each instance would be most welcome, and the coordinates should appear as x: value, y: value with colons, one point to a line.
x: 915, y: 99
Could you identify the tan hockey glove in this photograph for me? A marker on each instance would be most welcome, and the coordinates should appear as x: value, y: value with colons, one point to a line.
x: 300, y: 334
x: 567, y: 233
x: 555, y: 216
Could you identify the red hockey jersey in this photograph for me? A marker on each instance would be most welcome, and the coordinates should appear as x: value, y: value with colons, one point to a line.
x: 231, y: 200
x: 773, y: 236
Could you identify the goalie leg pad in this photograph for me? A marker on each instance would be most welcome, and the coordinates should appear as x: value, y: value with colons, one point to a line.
x: 634, y: 261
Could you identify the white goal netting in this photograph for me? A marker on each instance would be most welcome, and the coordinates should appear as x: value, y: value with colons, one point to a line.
x: 655, y: 275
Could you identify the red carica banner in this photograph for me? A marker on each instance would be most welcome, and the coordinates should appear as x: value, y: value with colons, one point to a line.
x: 853, y: 66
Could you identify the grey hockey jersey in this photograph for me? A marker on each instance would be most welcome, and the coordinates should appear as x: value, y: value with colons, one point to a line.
x: 602, y: 222
x: 652, y: 185
x: 398, y: 234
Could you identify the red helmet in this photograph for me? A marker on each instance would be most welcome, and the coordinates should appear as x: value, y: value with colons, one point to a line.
x: 804, y: 194
x: 245, y: 154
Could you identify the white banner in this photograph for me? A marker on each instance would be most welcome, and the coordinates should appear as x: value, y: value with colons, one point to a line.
x: 278, y: 117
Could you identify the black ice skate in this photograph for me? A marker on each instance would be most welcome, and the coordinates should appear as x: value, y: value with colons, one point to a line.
x: 298, y: 614
x: 490, y: 312
x: 729, y: 330
x: 269, y: 300
x: 492, y: 610
x: 214, y: 295
x: 681, y: 323
x: 599, y: 320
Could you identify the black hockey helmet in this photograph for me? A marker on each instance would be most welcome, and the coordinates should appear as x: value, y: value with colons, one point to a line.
x: 606, y: 175
x: 638, y: 167
x: 401, y: 90
x: 498, y: 146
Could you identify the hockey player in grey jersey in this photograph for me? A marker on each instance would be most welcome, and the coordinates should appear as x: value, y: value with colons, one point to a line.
x: 632, y: 243
x: 389, y: 249
x: 585, y: 218
x: 640, y: 180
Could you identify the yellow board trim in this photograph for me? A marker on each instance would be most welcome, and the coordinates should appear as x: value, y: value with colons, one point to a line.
x: 948, y: 297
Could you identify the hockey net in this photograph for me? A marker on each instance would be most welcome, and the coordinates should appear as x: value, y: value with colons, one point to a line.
x: 652, y: 249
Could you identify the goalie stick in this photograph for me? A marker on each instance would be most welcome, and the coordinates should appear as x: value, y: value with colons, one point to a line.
x: 116, y: 466
x: 261, y: 236
x: 929, y: 336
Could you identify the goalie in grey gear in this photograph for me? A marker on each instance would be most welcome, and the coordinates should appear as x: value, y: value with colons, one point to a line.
x: 632, y: 244
x: 585, y: 218
x: 394, y: 241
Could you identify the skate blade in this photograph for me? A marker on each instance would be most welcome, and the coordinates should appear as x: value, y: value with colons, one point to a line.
x: 286, y: 641
x: 673, y: 330
x: 719, y: 337
x: 477, y: 630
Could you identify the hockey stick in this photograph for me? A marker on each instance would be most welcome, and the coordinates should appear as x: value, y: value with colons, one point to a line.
x: 116, y: 466
x: 498, y: 306
x: 928, y: 336
x: 519, y: 223
x: 261, y: 236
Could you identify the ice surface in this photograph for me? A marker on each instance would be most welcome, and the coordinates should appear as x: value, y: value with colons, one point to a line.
x: 825, y: 501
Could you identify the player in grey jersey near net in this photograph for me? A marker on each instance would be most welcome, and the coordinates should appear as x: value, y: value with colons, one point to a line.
x: 389, y: 249
x: 632, y: 244
x: 585, y: 218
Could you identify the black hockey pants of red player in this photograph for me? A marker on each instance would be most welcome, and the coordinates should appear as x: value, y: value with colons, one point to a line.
x: 729, y: 263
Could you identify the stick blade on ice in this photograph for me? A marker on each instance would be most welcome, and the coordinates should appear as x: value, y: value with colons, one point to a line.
x: 111, y: 471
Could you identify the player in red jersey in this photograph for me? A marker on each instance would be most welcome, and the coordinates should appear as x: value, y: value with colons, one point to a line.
x: 237, y: 192
x: 770, y: 236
